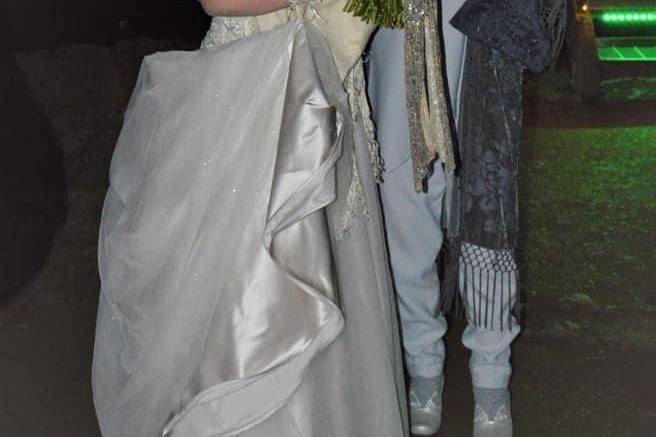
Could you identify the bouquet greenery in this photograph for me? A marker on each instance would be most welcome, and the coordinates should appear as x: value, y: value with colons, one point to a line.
x: 386, y: 13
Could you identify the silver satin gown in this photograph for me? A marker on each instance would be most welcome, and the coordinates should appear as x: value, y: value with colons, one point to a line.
x: 230, y: 306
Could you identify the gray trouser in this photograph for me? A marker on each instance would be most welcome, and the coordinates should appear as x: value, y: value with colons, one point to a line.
x: 413, y: 220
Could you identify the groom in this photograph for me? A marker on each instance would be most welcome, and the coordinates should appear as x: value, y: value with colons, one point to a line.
x: 414, y: 229
x: 484, y: 237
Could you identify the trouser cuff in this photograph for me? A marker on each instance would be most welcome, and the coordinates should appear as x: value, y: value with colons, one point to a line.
x: 491, y: 376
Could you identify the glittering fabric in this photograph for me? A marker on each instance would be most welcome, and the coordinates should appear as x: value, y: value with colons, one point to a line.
x: 358, y: 101
x: 428, y: 116
x: 439, y: 121
x: 356, y: 203
x: 226, y: 29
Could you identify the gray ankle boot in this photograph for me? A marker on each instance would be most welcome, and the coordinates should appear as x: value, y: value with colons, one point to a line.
x: 425, y: 397
x: 492, y: 416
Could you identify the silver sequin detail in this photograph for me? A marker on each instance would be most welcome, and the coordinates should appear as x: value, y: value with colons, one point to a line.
x: 356, y: 203
x: 428, y: 116
x: 226, y: 29
x: 356, y: 89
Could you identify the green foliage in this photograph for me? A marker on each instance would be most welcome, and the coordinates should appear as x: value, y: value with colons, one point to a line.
x: 386, y: 13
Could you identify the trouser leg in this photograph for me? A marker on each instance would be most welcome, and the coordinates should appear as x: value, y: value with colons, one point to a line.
x: 412, y: 219
x: 489, y: 342
x: 488, y: 299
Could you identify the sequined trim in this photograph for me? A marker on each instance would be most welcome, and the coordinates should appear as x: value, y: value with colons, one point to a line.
x: 356, y: 89
x: 356, y: 200
x: 226, y: 29
x: 428, y: 117
x: 356, y: 203
x: 305, y: 9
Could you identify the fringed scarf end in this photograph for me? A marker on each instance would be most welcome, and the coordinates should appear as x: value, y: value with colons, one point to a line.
x: 482, y: 285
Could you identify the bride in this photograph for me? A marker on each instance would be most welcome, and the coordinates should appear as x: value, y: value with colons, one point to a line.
x: 245, y: 287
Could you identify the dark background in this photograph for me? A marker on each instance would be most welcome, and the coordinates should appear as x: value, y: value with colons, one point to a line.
x: 37, y: 24
x: 584, y: 365
x: 66, y: 72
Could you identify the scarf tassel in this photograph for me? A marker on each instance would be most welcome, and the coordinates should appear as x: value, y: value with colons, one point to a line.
x: 487, y: 294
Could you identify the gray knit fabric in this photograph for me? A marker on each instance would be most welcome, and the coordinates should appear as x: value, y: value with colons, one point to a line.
x: 491, y: 399
x: 425, y: 388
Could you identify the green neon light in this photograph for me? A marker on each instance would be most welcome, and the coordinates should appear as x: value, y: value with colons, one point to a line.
x: 627, y: 54
x: 645, y: 17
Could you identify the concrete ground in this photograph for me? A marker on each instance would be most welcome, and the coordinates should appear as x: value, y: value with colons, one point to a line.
x: 584, y: 365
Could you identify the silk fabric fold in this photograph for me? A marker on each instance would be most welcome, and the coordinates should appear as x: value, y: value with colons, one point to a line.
x: 218, y: 262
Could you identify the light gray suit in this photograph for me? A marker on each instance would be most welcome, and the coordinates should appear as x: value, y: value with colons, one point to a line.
x: 414, y: 220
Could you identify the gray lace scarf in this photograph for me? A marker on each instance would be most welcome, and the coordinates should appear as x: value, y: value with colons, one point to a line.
x: 504, y: 38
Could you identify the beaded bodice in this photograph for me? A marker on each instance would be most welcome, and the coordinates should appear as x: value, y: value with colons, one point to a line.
x: 226, y: 29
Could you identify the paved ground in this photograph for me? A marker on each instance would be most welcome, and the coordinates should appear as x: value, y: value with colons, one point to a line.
x: 584, y: 365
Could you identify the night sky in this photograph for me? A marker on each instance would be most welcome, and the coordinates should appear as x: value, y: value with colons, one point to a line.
x: 32, y: 24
